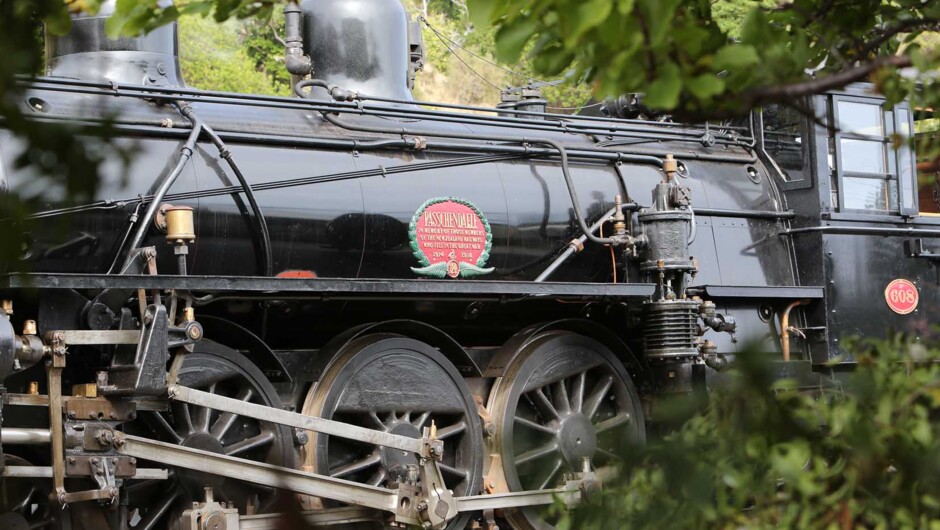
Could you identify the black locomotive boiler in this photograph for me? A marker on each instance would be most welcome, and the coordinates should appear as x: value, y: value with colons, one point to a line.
x: 405, y: 313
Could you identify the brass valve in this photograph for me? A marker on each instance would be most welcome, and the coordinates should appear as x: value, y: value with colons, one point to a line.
x: 670, y: 167
x: 620, y: 221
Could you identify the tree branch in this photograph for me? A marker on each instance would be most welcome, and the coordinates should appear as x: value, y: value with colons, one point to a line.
x: 778, y: 93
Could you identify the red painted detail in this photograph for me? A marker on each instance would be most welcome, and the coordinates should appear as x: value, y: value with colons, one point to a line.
x: 296, y: 274
x: 902, y: 296
x: 452, y: 233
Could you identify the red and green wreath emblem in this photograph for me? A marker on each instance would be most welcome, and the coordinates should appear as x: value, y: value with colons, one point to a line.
x: 450, y: 237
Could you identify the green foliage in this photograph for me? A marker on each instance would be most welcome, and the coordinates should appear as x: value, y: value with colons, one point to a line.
x: 264, y: 44
x: 214, y: 58
x: 720, y: 58
x: 862, y: 455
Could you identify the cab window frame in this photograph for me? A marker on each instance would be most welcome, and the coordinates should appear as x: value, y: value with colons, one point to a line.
x: 899, y: 164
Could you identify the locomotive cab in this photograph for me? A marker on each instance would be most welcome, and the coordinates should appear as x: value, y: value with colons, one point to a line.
x: 866, y: 221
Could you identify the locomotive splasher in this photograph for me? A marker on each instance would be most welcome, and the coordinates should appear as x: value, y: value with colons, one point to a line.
x: 398, y: 314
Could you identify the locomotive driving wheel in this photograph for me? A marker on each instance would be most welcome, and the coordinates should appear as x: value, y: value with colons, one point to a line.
x: 25, y: 504
x: 219, y: 370
x: 565, y: 398
x: 398, y: 385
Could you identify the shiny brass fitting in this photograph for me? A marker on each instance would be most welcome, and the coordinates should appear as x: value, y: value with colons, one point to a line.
x: 620, y: 222
x: 29, y: 327
x: 189, y: 314
x: 180, y: 226
x: 670, y: 167
x: 7, y: 306
x: 33, y: 388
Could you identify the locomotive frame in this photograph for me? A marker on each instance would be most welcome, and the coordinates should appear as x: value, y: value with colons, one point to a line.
x: 416, y: 401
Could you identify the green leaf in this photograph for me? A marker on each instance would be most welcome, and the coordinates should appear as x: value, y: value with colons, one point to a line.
x: 59, y: 22
x: 705, y: 86
x: 481, y: 11
x: 589, y: 15
x: 735, y: 57
x: 663, y: 93
x: 511, y: 39
x: 625, y: 7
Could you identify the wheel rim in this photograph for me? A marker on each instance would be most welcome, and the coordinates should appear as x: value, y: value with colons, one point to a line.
x: 218, y: 370
x: 396, y: 385
x: 24, y: 502
x: 564, y: 398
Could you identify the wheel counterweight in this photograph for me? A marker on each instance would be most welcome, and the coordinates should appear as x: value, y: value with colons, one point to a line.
x: 563, y: 399
x: 397, y: 385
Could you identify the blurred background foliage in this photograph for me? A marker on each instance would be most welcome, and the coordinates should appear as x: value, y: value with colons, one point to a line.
x: 864, y: 453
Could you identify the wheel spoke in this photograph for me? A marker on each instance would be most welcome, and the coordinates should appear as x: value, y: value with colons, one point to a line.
x: 611, y: 423
x: 453, y: 471
x: 265, y: 438
x: 422, y: 419
x: 377, y: 477
x: 451, y: 430
x: 373, y: 459
x: 560, y: 393
x: 183, y: 418
x: 25, y: 502
x: 378, y: 421
x: 534, y: 426
x: 577, y: 392
x: 161, y: 422
x: 555, y: 469
x: 158, y: 509
x: 535, y: 454
x: 594, y: 400
x: 225, y: 420
x: 544, y: 405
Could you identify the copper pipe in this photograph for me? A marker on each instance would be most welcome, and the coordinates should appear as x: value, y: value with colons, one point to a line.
x: 785, y: 328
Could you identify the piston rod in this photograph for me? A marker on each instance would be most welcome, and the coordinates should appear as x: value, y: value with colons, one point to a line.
x: 15, y: 435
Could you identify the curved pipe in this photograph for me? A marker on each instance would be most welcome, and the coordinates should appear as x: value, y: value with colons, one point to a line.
x: 785, y: 328
x: 261, y: 224
x: 186, y: 152
x: 576, y: 244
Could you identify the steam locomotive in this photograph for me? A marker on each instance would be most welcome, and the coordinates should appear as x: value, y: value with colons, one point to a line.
x: 405, y: 313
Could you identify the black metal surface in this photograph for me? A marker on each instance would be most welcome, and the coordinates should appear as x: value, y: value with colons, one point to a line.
x: 361, y: 45
x: 26, y: 504
x: 141, y: 369
x: 328, y: 287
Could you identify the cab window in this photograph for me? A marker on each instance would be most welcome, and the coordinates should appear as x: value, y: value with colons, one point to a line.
x: 785, y: 129
x: 927, y: 134
x: 872, y: 171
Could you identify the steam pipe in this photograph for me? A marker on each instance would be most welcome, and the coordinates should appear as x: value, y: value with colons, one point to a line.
x: 297, y: 63
x: 186, y: 152
x: 785, y: 328
x: 342, y: 95
x: 577, y: 244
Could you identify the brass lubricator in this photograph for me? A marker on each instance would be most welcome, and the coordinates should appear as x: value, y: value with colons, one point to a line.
x: 180, y: 232
x: 180, y: 225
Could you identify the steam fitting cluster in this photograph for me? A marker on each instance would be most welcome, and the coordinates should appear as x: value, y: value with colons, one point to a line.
x: 17, y: 352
